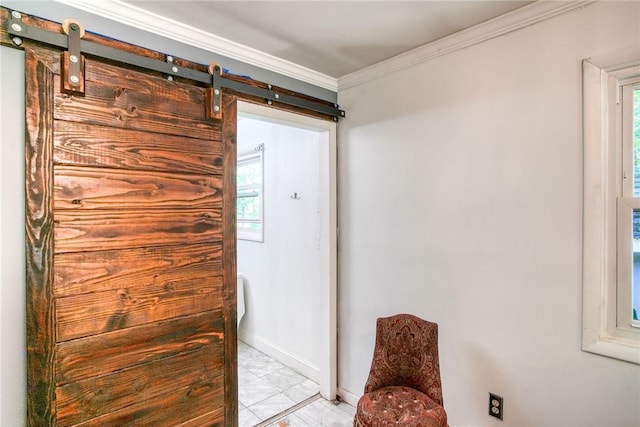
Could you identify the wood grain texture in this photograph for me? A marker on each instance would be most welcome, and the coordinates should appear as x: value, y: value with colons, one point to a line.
x: 110, y: 105
x: 87, y: 188
x: 211, y: 419
x: 40, y: 304
x: 101, y: 312
x: 95, y: 396
x: 229, y: 259
x: 102, y: 354
x: 140, y: 81
x: 84, y: 272
x: 99, y: 146
x: 174, y: 408
x: 131, y: 288
x: 79, y: 231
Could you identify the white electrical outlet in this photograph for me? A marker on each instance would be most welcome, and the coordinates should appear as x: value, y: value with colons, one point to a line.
x: 496, y: 406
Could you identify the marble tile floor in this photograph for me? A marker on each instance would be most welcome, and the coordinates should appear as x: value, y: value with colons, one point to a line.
x: 318, y: 413
x: 267, y: 388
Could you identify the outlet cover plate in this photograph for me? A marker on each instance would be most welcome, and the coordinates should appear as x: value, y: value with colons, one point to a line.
x: 496, y: 406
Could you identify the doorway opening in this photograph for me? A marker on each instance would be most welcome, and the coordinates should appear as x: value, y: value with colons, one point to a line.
x: 287, y: 276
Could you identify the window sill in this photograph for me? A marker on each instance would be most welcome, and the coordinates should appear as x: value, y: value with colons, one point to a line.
x: 250, y: 237
x: 616, y: 348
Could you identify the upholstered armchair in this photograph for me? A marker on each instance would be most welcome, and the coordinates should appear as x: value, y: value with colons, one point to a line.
x: 403, y: 388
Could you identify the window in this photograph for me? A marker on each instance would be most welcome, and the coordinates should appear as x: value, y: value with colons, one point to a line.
x: 629, y: 211
x: 249, y: 181
x: 611, y: 259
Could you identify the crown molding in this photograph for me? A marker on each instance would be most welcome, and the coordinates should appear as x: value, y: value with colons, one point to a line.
x: 127, y: 14
x: 133, y: 16
x: 504, y: 24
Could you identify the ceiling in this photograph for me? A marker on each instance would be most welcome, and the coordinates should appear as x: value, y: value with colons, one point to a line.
x: 334, y: 38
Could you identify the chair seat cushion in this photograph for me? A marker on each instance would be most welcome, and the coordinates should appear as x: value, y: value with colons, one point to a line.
x: 399, y: 406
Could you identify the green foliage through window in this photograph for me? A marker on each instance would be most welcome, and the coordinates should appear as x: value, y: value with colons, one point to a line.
x: 249, y: 195
x: 636, y: 159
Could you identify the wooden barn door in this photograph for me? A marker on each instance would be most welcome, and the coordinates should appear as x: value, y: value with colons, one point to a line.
x: 130, y: 250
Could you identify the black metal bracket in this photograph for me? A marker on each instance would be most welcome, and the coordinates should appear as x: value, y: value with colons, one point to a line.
x: 214, y: 93
x: 271, y: 96
x: 72, y: 61
x: 217, y: 80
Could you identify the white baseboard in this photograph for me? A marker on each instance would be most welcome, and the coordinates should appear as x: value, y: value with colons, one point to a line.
x: 348, y: 397
x: 291, y: 360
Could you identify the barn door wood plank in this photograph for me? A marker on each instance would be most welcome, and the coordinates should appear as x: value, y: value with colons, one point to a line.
x: 229, y: 259
x: 171, y: 409
x: 129, y: 79
x: 40, y: 304
x: 98, y: 271
x: 88, y: 188
x: 211, y: 419
x: 95, y: 396
x: 105, y: 353
x: 101, y: 312
x: 83, y: 144
x: 130, y: 109
x: 79, y: 231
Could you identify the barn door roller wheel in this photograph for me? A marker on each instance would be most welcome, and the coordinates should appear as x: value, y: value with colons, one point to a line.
x: 72, y: 61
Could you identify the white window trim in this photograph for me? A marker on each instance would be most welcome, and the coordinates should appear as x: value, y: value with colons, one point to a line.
x: 627, y: 204
x: 257, y: 235
x: 601, y: 133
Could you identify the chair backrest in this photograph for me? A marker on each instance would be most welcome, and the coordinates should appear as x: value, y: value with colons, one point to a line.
x: 406, y: 354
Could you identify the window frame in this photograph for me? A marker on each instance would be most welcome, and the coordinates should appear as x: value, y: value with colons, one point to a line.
x: 607, y: 226
x: 627, y: 203
x: 255, y: 156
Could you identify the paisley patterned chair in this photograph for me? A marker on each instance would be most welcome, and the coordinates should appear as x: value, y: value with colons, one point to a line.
x: 403, y: 388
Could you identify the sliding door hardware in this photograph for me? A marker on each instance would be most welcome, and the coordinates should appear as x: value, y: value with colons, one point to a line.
x: 72, y: 60
x: 72, y: 39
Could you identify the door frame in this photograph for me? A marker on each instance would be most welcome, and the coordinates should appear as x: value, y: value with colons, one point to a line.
x: 328, y: 236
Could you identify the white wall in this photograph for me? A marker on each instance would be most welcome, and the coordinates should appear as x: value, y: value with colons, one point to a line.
x: 461, y: 202
x: 12, y: 243
x: 282, y: 274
